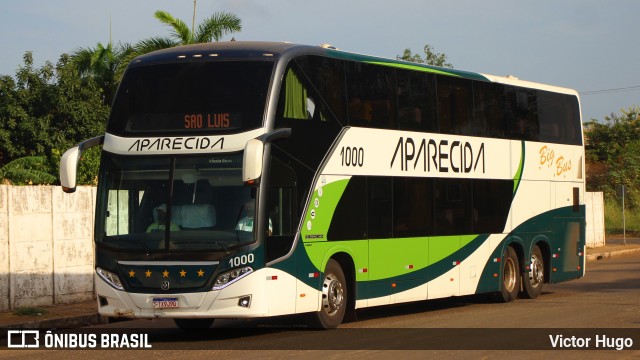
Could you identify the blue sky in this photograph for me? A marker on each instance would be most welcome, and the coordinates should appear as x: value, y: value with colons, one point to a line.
x: 587, y: 45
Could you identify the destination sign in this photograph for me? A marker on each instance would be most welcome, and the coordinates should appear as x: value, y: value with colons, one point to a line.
x: 212, y: 121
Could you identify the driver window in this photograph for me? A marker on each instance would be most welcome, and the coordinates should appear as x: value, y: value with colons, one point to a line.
x: 280, y: 206
x: 281, y: 209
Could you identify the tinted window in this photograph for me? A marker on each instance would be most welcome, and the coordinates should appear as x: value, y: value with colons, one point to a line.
x: 413, y: 207
x: 455, y: 106
x: 559, y: 118
x: 371, y: 95
x: 327, y: 77
x: 281, y: 209
x: 491, y: 204
x: 349, y: 221
x: 521, y: 111
x: 453, y: 206
x: 489, y: 101
x: 380, y: 201
x: 419, y: 207
x: 416, y: 101
x: 193, y: 96
x: 305, y: 111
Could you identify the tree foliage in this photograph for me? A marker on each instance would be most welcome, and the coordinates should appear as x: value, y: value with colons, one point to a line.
x: 212, y: 28
x: 104, y: 64
x: 27, y: 170
x: 613, y: 152
x: 44, y: 110
x: 430, y: 57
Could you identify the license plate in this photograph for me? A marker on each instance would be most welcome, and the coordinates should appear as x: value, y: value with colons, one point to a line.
x: 165, y: 303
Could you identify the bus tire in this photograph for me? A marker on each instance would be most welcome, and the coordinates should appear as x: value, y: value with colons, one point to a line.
x: 334, y: 298
x: 533, y: 279
x: 510, y: 281
x: 193, y: 324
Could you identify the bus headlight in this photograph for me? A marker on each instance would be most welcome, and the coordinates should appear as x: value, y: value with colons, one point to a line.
x: 111, y: 278
x: 229, y: 277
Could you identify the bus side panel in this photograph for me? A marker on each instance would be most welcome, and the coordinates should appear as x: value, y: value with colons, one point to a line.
x: 472, y: 267
x: 562, y: 228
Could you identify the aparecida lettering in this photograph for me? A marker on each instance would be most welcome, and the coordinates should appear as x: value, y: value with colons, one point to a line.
x: 179, y: 143
x: 429, y: 155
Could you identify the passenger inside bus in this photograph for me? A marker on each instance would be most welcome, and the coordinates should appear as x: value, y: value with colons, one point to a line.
x: 160, y: 220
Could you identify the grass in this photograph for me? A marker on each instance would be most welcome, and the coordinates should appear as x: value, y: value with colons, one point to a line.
x: 613, y: 219
x: 29, y: 311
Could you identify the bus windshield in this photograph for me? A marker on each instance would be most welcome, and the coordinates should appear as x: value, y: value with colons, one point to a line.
x: 175, y: 98
x: 195, y: 203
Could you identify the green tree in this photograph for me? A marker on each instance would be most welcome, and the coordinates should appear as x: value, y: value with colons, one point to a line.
x: 430, y: 57
x: 102, y: 63
x: 26, y: 170
x: 211, y: 29
x: 613, y: 152
x: 47, y: 109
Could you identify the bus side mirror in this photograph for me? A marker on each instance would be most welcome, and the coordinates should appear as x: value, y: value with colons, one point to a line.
x: 69, y: 163
x: 252, y: 164
x: 69, y: 168
x: 254, y: 152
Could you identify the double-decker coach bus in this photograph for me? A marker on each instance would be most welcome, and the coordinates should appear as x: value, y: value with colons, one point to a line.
x: 255, y: 179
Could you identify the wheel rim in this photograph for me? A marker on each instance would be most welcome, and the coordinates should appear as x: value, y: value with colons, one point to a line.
x: 536, y: 272
x: 332, y: 294
x: 509, y: 277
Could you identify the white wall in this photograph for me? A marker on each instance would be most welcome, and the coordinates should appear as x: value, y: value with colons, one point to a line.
x: 595, y: 219
x: 46, y: 247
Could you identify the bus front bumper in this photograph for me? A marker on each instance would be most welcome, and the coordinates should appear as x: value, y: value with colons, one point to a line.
x: 265, y: 292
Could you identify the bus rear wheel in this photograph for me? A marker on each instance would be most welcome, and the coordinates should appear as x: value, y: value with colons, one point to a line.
x: 193, y: 324
x: 334, y: 298
x: 510, y: 283
x: 533, y: 279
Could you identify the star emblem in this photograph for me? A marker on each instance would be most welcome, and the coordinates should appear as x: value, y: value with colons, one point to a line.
x: 200, y: 273
x: 183, y: 273
x: 148, y: 273
x: 165, y: 274
x: 132, y: 273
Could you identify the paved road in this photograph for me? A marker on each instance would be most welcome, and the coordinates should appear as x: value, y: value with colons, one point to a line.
x: 604, y: 303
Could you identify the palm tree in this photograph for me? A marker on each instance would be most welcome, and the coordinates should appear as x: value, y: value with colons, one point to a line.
x: 211, y: 29
x: 102, y: 63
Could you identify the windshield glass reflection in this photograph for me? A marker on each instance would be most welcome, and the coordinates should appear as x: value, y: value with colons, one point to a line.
x: 183, y: 203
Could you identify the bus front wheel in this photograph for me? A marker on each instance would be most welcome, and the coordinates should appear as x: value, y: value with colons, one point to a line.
x: 334, y: 298
x: 510, y: 283
x: 534, y: 278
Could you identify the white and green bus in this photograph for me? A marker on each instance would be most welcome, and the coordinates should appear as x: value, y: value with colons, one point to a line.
x: 255, y: 179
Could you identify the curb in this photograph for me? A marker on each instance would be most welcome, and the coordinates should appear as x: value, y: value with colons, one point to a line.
x: 59, y: 323
x: 609, y: 254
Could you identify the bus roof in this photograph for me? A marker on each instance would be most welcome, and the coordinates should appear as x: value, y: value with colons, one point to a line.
x: 261, y: 50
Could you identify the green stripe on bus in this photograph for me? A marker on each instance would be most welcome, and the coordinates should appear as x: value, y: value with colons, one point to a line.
x: 413, y: 67
x: 518, y: 176
x: 404, y: 65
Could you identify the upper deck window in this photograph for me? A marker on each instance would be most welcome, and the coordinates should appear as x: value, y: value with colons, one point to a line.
x: 184, y: 97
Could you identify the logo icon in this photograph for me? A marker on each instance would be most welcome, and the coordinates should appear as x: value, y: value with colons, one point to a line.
x: 165, y: 285
x: 23, y: 338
